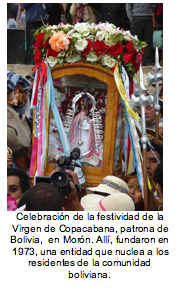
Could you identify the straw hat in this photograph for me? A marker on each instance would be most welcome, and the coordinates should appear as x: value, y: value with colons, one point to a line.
x: 110, y: 185
x: 115, y: 202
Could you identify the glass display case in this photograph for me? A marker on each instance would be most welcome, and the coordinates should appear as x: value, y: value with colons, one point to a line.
x: 90, y: 108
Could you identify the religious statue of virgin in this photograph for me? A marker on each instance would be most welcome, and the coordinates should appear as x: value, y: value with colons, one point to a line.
x: 81, y: 132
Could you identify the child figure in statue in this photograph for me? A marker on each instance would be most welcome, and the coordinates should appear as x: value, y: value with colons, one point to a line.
x: 81, y: 132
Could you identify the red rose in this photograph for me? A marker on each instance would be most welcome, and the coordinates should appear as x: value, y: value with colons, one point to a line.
x: 39, y: 41
x: 88, y: 48
x: 100, y: 47
x: 52, y: 53
x: 129, y: 46
x: 115, y: 50
x: 127, y: 58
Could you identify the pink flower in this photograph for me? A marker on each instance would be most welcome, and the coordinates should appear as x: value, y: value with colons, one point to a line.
x: 11, y: 203
x: 59, y: 41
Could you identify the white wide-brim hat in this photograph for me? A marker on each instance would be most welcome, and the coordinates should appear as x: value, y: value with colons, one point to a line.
x: 110, y: 185
x: 115, y: 202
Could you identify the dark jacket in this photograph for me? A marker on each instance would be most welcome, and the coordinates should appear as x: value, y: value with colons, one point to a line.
x: 114, y: 13
x: 36, y: 12
x: 55, y: 13
x: 67, y: 13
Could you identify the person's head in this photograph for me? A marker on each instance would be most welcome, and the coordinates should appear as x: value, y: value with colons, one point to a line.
x: 134, y: 188
x: 149, y: 114
x: 158, y: 178
x: 17, y: 182
x: 83, y: 107
x: 154, y: 157
x: 42, y: 197
x: 31, y: 78
x: 17, y: 89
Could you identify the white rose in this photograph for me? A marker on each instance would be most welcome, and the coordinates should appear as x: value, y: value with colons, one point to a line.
x: 135, y: 37
x: 81, y: 44
x: 54, y: 27
x: 127, y: 32
x: 108, y: 40
x: 107, y: 26
x: 100, y: 35
x: 51, y: 61
x: 74, y: 33
x: 82, y: 28
x: 73, y: 59
x: 92, y: 57
x: 110, y: 26
x: 127, y: 35
x: 108, y: 61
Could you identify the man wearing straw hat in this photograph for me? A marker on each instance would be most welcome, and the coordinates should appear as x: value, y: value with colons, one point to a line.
x: 112, y: 194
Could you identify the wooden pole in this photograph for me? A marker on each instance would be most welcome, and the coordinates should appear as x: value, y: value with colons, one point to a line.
x: 144, y: 151
x: 157, y: 128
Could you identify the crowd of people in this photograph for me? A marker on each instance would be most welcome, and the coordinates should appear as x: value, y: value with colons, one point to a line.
x: 113, y: 193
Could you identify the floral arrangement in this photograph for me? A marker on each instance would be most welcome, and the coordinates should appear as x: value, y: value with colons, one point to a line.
x: 11, y: 203
x: 96, y: 43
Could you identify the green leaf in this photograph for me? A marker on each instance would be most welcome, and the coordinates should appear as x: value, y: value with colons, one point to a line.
x: 120, y: 38
x: 142, y: 44
x: 38, y: 31
x: 74, y: 39
x: 114, y: 39
x: 129, y: 64
x: 92, y: 31
x: 47, y: 34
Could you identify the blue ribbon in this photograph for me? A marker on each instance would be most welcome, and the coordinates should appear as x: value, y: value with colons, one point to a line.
x: 63, y: 136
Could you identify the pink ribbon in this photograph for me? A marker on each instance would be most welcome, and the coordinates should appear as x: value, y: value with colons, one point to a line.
x: 33, y: 157
x: 39, y: 152
x: 101, y: 206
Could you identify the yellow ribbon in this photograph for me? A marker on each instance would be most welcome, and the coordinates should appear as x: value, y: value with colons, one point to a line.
x: 122, y: 92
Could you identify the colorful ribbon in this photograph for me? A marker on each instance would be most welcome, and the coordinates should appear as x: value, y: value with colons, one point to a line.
x: 43, y: 98
x: 131, y: 117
